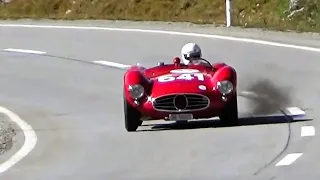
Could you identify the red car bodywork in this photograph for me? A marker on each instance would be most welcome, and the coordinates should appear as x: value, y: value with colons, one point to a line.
x: 160, y: 81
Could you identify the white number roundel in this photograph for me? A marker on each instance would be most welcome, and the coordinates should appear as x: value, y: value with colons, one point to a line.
x: 187, y: 77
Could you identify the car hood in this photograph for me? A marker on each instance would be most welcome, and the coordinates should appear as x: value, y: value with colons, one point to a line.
x: 199, y: 83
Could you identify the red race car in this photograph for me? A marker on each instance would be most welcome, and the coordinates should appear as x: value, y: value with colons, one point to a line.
x: 178, y: 92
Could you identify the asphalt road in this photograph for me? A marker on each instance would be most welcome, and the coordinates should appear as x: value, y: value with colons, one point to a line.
x: 76, y: 109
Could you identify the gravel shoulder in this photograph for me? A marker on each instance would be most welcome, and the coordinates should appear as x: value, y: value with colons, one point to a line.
x: 7, y: 134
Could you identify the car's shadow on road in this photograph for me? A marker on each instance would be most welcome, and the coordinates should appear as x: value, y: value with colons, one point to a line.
x: 243, y: 121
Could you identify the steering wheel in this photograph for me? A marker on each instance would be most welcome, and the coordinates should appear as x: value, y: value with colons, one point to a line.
x: 201, y: 60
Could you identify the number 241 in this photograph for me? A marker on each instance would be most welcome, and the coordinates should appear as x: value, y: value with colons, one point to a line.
x: 188, y: 77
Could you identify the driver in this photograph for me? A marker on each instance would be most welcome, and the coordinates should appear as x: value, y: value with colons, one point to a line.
x: 191, y: 53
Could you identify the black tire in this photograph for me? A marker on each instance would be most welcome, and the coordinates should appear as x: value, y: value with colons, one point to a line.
x: 229, y: 115
x: 132, y: 117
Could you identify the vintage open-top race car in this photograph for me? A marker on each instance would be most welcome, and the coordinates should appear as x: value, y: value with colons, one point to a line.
x: 178, y: 92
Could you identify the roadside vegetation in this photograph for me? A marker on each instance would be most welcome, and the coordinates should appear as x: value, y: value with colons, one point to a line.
x: 269, y: 14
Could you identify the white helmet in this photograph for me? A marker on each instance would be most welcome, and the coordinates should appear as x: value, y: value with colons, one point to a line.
x: 190, y: 51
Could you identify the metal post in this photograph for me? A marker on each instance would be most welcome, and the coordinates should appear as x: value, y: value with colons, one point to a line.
x: 228, y: 12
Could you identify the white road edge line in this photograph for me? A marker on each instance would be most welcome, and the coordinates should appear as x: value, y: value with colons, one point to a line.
x: 112, y: 64
x: 308, y: 131
x: 24, y: 51
x: 289, y: 159
x: 296, y: 111
x: 29, y: 142
x: 270, y: 43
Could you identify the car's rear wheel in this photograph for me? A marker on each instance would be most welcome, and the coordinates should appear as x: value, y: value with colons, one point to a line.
x: 131, y: 116
x: 229, y: 115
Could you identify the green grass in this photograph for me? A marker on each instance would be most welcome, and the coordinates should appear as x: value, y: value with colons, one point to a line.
x: 267, y: 14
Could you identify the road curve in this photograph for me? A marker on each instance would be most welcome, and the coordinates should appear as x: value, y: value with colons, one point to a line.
x: 75, y: 107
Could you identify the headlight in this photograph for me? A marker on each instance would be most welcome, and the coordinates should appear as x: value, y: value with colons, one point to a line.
x: 136, y: 91
x: 225, y: 87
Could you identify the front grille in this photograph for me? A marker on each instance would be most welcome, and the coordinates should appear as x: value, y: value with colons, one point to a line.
x: 181, y: 102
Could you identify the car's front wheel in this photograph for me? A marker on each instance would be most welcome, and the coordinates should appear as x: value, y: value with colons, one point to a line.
x: 131, y: 116
x: 229, y: 115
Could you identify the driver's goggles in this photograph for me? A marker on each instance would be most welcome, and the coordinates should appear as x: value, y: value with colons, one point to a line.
x: 192, y: 56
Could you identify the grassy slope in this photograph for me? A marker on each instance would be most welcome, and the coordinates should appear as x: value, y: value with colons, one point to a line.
x: 249, y: 13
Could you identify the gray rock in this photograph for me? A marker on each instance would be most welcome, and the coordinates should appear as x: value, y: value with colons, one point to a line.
x: 294, y: 5
x: 5, y: 1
